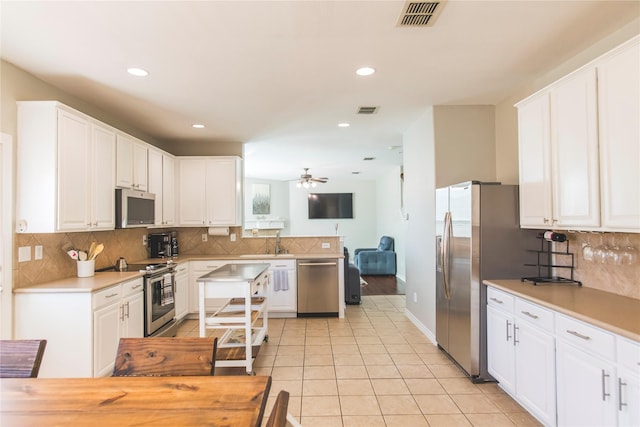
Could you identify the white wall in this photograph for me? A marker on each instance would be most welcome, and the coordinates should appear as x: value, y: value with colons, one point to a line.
x: 357, y: 232
x: 279, y: 192
x: 419, y: 173
x: 390, y: 221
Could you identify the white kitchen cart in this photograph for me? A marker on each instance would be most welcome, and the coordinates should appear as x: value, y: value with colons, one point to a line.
x: 244, y: 314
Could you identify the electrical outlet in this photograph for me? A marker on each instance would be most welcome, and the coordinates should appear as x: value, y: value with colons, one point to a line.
x: 232, y: 236
x: 326, y: 245
x: 415, y: 297
x: 24, y: 253
x: 205, y: 237
x: 144, y: 240
x: 38, y: 252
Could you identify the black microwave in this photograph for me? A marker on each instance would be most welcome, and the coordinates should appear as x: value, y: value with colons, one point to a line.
x: 135, y: 208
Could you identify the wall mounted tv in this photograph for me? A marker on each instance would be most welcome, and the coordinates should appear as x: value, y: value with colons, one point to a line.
x: 330, y: 205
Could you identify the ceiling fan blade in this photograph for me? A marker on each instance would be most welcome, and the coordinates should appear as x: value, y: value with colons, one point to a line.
x: 323, y: 180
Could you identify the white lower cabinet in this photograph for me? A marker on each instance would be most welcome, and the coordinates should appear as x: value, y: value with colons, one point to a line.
x: 564, y: 371
x: 628, y: 382
x: 521, y: 352
x: 182, y: 290
x: 82, y: 329
x: 197, y: 269
x: 118, y: 313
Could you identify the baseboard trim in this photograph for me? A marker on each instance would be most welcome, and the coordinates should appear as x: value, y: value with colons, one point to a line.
x: 427, y: 333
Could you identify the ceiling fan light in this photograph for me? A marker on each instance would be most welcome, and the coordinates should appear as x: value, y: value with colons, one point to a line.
x: 299, y: 184
x: 313, y: 184
x: 305, y: 184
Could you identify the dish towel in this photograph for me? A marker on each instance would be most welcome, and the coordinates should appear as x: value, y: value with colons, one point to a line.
x: 280, y: 281
x: 166, y: 293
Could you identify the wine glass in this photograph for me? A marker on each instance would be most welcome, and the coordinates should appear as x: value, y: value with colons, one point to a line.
x: 612, y: 255
x: 587, y: 250
x: 600, y: 252
x: 629, y: 254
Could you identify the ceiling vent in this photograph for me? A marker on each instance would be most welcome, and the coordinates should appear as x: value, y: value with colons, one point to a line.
x: 420, y: 14
x: 367, y: 110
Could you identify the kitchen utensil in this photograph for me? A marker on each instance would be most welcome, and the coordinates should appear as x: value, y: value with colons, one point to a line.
x: 82, y: 256
x: 121, y: 264
x: 92, y: 248
x: 73, y: 254
x: 97, y: 251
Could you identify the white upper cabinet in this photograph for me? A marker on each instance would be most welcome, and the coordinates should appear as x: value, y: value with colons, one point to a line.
x: 579, y: 142
x: 161, y: 183
x: 619, y: 113
x: 66, y: 167
x: 131, y: 163
x: 535, y: 163
x: 210, y: 191
x: 574, y: 152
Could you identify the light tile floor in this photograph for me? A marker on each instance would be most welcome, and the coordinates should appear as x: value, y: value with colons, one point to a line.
x: 373, y: 368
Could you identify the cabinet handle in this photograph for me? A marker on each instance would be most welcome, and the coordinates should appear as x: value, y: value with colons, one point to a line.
x: 136, y: 287
x: 122, y: 313
x: 127, y: 315
x: 111, y: 296
x: 620, y: 402
x: 545, y: 220
x: 496, y: 300
x: 508, y: 336
x: 526, y: 313
x: 515, y: 335
x: 604, y: 392
x: 579, y: 335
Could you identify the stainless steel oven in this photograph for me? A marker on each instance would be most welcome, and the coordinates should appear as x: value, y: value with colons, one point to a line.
x: 159, y: 297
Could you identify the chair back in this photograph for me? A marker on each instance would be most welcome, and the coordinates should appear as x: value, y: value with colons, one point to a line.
x: 278, y: 416
x: 386, y: 243
x: 21, y: 358
x: 165, y: 356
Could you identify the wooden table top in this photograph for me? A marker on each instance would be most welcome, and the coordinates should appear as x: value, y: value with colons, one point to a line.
x: 124, y: 401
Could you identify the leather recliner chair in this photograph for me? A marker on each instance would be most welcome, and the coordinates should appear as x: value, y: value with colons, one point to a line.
x: 377, y: 261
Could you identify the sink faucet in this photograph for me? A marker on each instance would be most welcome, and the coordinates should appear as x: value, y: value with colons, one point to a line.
x: 278, y: 249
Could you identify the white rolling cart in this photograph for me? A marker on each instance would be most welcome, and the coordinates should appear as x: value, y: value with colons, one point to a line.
x: 244, y: 315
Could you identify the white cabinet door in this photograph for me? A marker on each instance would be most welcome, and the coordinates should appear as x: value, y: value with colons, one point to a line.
x: 283, y: 300
x: 168, y: 190
x: 500, y: 348
x: 103, y: 161
x: 535, y: 163
x: 124, y: 161
x: 619, y: 128
x: 197, y: 269
x: 628, y: 397
x: 535, y: 371
x: 223, y: 185
x: 574, y: 152
x: 192, y: 200
x: 106, y: 336
x: 586, y: 388
x: 74, y: 187
x: 133, y: 317
x: 182, y: 290
x: 155, y: 182
x: 140, y: 166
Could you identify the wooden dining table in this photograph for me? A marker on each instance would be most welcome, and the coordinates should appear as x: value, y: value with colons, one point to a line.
x: 126, y: 401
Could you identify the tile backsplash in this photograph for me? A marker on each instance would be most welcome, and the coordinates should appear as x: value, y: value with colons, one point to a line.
x: 619, y: 279
x: 56, y: 264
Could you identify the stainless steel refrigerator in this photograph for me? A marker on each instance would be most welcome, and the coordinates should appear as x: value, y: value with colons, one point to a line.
x: 477, y: 237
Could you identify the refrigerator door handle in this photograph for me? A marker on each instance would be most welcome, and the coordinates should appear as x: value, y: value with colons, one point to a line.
x: 446, y: 255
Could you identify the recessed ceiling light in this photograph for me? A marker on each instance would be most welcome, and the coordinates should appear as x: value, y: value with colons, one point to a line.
x: 365, y: 71
x: 197, y: 126
x: 138, y: 72
x: 343, y: 125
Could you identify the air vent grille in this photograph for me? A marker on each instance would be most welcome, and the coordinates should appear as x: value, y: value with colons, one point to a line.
x: 420, y: 14
x: 367, y: 110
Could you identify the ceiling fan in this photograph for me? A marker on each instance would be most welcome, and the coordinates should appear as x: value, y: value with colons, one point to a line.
x: 306, y: 180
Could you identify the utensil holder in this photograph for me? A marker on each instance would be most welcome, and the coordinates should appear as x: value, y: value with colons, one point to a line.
x: 86, y: 268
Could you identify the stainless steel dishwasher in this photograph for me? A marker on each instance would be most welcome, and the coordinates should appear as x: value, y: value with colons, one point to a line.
x: 317, y: 287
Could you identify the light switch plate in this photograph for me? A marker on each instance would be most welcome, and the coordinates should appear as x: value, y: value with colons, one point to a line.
x: 38, y: 252
x: 326, y: 245
x: 24, y: 253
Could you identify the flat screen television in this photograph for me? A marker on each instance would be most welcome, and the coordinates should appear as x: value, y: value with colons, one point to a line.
x: 330, y: 205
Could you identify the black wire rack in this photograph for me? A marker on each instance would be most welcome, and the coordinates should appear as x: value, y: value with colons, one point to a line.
x: 545, y: 264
